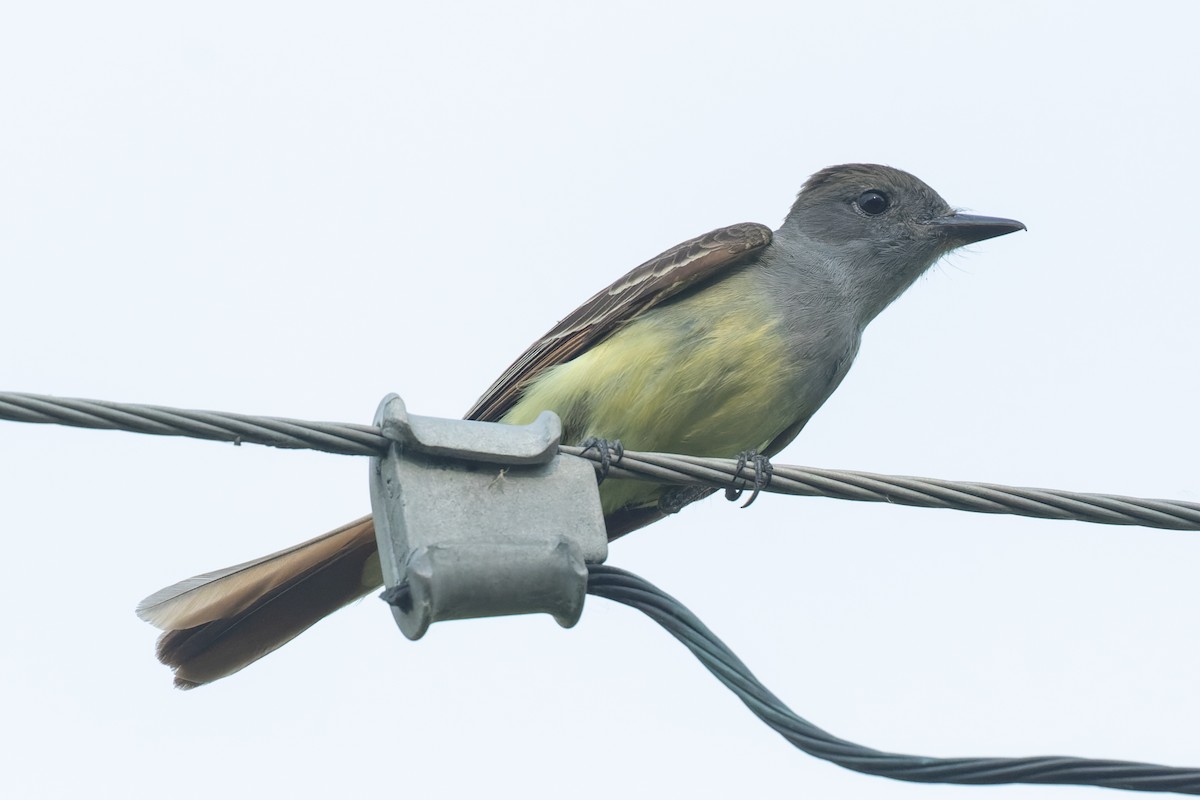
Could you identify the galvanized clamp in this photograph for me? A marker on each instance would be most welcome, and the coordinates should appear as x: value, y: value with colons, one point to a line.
x: 480, y: 519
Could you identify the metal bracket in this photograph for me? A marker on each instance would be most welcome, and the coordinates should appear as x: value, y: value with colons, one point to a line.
x: 481, y: 519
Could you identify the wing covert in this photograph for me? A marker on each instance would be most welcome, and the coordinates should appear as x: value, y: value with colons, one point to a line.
x: 647, y: 285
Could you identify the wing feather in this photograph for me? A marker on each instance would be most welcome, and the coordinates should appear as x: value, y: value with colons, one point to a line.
x: 662, y: 277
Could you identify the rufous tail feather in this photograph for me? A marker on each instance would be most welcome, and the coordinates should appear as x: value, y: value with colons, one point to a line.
x: 217, y: 623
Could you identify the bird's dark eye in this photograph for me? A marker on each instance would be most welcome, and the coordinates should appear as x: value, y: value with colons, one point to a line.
x: 873, y: 202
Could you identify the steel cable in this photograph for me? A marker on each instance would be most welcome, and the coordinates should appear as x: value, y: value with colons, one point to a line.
x: 625, y: 587
x: 366, y: 440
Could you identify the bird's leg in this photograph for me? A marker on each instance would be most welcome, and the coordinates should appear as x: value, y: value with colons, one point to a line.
x: 610, y: 450
x: 762, y: 475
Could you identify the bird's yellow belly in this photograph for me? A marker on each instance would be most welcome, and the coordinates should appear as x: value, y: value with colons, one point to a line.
x: 680, y: 379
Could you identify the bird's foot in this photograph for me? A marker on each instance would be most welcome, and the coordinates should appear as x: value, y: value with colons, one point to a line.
x: 762, y: 475
x: 610, y: 450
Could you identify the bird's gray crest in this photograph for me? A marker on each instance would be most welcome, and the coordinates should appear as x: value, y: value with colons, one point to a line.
x: 826, y: 200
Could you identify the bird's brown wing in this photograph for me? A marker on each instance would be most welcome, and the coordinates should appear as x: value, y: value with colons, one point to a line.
x: 682, y: 267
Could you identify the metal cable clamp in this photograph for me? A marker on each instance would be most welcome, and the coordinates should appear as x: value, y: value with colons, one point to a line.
x: 480, y: 519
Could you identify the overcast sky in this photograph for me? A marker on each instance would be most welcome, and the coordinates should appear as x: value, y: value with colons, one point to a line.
x: 293, y: 209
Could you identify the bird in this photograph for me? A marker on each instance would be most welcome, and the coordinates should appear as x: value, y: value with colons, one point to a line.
x: 724, y: 345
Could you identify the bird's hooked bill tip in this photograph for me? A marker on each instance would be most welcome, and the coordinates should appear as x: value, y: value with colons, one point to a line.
x: 968, y: 228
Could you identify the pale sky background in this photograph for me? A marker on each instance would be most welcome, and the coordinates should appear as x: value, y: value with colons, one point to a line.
x: 293, y: 209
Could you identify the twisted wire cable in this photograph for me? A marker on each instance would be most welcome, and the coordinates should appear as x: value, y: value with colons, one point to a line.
x: 366, y: 440
x: 293, y: 434
x: 625, y: 587
x: 984, y: 498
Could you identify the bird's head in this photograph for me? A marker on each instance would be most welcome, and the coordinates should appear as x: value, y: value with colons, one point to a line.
x: 883, y: 226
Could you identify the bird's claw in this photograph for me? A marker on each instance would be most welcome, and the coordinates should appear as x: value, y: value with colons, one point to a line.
x: 610, y: 451
x: 762, y: 475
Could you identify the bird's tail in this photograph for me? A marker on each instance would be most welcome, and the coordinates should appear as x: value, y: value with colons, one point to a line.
x: 215, y: 624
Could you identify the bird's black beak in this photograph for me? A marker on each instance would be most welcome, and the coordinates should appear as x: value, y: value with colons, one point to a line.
x: 969, y: 228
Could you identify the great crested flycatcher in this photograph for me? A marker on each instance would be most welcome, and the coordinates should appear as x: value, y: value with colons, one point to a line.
x: 724, y: 344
